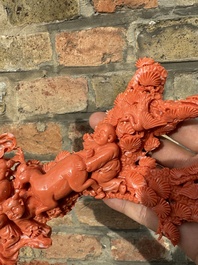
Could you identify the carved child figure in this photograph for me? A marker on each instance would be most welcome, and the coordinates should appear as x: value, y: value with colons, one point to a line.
x: 103, y: 161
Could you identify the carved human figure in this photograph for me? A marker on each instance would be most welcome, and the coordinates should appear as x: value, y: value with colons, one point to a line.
x: 103, y: 161
x: 36, y: 234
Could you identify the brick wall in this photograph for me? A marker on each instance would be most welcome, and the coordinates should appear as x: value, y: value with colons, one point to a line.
x: 62, y: 60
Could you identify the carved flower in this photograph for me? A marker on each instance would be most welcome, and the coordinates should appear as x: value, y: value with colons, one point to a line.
x: 181, y: 210
x: 124, y: 127
x: 146, y: 77
x: 130, y: 143
x: 135, y: 180
x: 171, y: 232
x: 147, y: 161
x: 144, y: 61
x: 162, y: 209
x: 151, y: 143
x: 160, y: 186
x: 147, y: 196
x: 194, y: 215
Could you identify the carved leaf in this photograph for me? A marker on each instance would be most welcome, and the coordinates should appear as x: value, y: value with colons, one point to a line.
x: 150, y: 122
x: 187, y: 111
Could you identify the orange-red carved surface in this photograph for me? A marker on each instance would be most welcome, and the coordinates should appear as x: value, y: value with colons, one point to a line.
x: 114, y: 163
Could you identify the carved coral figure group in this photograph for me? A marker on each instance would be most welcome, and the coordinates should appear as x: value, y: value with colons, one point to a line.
x: 114, y: 163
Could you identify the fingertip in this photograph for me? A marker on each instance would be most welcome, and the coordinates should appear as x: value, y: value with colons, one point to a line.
x: 95, y: 118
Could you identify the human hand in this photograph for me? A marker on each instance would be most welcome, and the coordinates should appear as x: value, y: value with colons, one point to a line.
x: 169, y: 155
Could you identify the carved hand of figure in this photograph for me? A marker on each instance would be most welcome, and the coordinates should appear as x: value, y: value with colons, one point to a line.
x: 89, y: 153
x: 169, y: 155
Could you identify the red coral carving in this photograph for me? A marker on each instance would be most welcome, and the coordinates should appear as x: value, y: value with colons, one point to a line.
x: 162, y: 209
x: 114, y: 163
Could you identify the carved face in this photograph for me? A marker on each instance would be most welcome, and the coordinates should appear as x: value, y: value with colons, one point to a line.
x: 14, y: 209
x: 104, y: 134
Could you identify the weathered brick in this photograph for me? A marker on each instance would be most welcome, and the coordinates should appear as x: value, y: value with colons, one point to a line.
x: 24, y: 51
x: 3, y: 18
x: 61, y: 221
x: 26, y: 252
x: 185, y: 85
x: 96, y: 213
x: 73, y: 247
x: 140, y: 249
x: 111, y: 5
x: 175, y: 3
x: 172, y: 40
x: 36, y: 262
x: 91, y: 47
x: 34, y: 140
x: 3, y: 91
x: 57, y: 95
x: 110, y: 86
x: 28, y: 12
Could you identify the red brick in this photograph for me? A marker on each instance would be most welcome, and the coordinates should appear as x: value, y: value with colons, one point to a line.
x: 61, y: 221
x: 140, y: 249
x: 73, y: 247
x: 110, y: 6
x: 57, y: 95
x: 91, y: 47
x: 33, y: 140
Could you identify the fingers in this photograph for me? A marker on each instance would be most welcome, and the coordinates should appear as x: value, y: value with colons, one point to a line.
x: 189, y: 240
x: 187, y: 134
x: 95, y: 118
x: 145, y: 216
x: 172, y: 155
x: 137, y: 212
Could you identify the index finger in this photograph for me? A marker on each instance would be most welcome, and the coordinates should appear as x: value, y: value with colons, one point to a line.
x: 187, y: 134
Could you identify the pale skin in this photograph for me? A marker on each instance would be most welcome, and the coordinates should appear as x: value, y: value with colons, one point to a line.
x: 169, y: 155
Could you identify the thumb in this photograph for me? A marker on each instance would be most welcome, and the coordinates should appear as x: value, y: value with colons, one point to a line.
x: 95, y: 118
